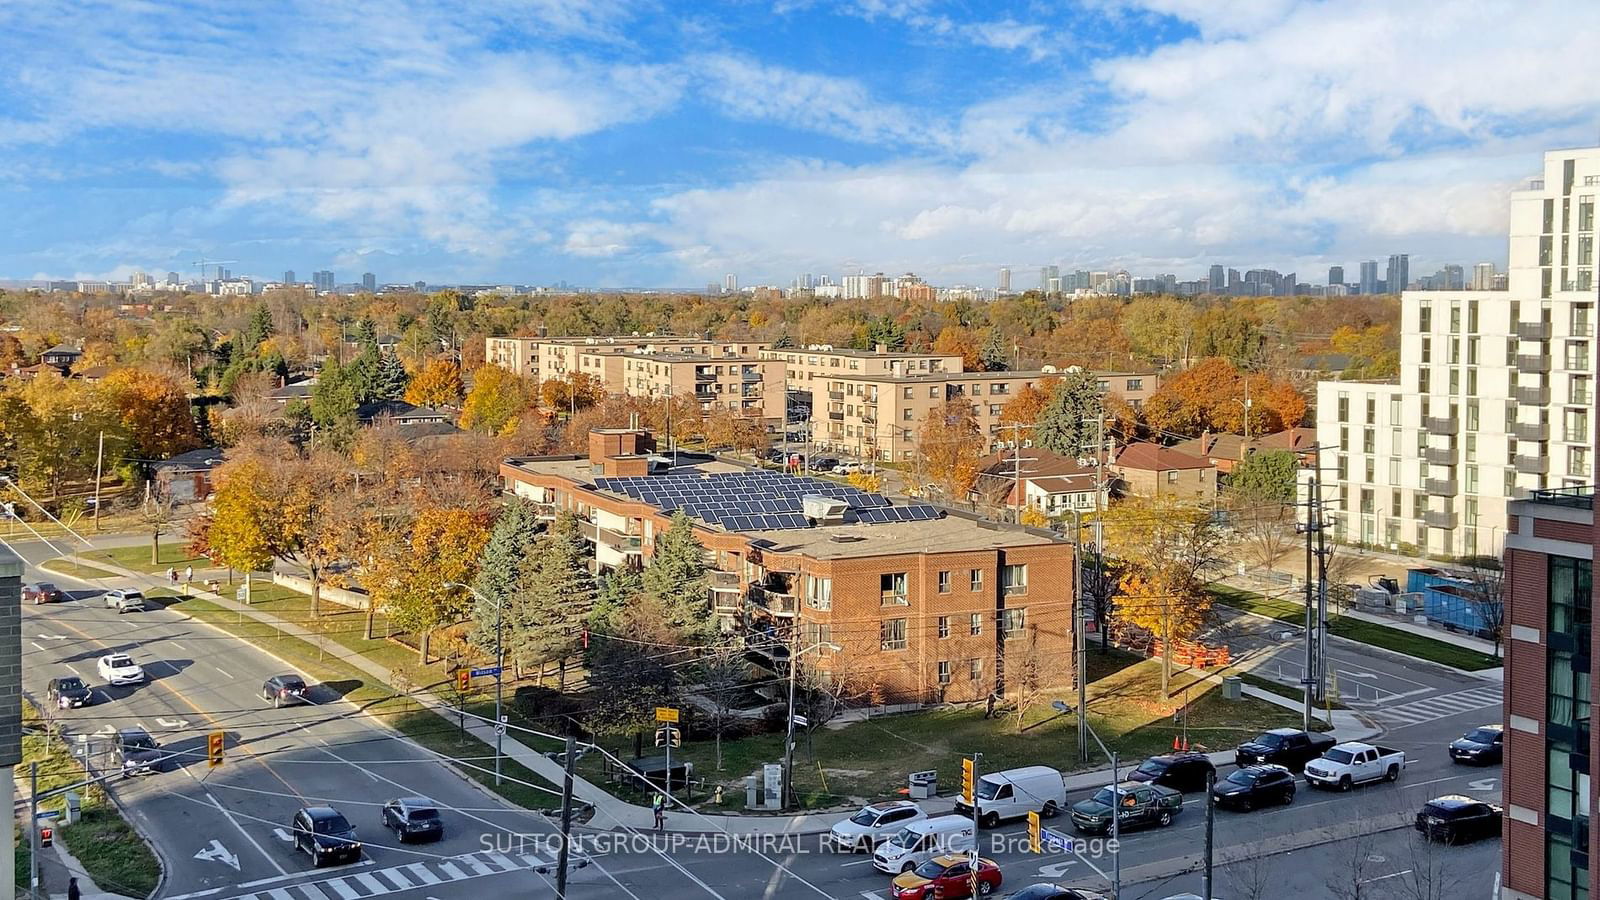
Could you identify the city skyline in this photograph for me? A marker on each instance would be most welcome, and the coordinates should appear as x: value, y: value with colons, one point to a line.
x: 603, y: 145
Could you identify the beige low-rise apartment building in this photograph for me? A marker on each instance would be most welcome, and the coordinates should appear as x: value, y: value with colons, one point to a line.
x: 541, y: 358
x: 748, y: 385
x: 807, y: 365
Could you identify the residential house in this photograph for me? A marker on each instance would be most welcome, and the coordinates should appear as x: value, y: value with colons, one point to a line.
x: 1151, y: 470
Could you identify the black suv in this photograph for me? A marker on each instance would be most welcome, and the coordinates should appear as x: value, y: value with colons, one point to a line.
x: 137, y: 752
x: 1254, y: 786
x: 284, y: 690
x: 1482, y: 746
x: 324, y: 834
x: 1180, y: 771
x: 413, y: 819
x: 1287, y: 747
x: 68, y: 692
x: 1456, y: 819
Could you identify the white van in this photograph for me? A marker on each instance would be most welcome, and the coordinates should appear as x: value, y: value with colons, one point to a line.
x: 921, y: 841
x: 1014, y: 793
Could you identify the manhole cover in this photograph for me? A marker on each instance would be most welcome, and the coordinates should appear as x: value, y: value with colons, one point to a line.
x: 1375, y: 858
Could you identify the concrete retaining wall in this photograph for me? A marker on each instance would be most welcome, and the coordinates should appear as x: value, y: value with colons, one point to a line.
x: 341, y: 596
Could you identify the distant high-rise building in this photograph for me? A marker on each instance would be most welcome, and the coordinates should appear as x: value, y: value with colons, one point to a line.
x: 288, y: 276
x: 369, y: 282
x: 172, y: 278
x: 322, y: 280
x: 420, y: 287
x: 730, y: 283
x: 224, y: 274
x: 1483, y: 276
x: 1454, y: 278
x: 140, y: 279
x: 1046, y: 275
x: 1369, y: 277
x: 1234, y: 281
x: 1005, y: 279
x: 1336, y: 274
x: 1399, y: 272
x: 1218, y: 279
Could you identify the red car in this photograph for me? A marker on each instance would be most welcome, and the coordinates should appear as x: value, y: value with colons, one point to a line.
x: 946, y: 878
x: 41, y: 592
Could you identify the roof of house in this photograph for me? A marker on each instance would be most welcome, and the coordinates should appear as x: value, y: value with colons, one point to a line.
x: 1298, y: 438
x: 1035, y: 461
x: 63, y: 349
x: 294, y: 389
x: 194, y: 461
x: 1223, y: 445
x: 1065, y: 484
x: 399, y: 409
x: 1155, y: 458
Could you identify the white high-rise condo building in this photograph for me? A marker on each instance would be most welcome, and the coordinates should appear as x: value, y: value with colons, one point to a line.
x: 730, y: 283
x: 1005, y: 280
x: 1496, y: 390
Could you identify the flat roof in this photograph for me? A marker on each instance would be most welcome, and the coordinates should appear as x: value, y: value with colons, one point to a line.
x: 866, y: 354
x: 677, y: 356
x: 932, y: 377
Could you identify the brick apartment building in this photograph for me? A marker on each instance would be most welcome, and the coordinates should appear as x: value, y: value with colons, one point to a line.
x: 542, y: 358
x: 1550, y: 679
x: 921, y: 610
x: 745, y: 384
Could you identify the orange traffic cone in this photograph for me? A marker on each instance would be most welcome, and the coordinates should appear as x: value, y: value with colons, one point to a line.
x: 1175, y: 742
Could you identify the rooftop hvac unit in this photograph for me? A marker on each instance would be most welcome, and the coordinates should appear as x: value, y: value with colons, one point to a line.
x: 1049, y: 369
x: 823, y: 510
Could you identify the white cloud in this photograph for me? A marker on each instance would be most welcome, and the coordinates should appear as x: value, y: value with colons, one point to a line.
x: 598, y: 238
x: 746, y: 89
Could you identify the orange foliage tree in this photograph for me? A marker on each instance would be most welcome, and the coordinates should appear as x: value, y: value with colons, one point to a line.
x: 1211, y: 396
x: 950, y: 446
x: 438, y: 384
x: 1024, y: 408
x: 155, y: 411
x: 954, y: 339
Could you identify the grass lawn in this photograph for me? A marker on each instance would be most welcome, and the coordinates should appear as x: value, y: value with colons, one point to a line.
x: 111, y: 851
x: 137, y: 556
x: 870, y: 760
x: 1383, y: 636
x: 64, y: 566
x: 378, y: 699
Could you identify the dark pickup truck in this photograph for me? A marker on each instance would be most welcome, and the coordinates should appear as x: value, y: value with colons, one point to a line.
x: 1287, y: 747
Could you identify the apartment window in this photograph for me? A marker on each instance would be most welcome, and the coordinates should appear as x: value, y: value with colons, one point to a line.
x: 1013, y: 622
x: 1577, y: 356
x: 1472, y: 382
x: 1172, y: 476
x: 944, y: 582
x: 1395, y: 436
x: 1396, y: 502
x: 944, y: 671
x: 1455, y: 318
x: 976, y: 578
x: 975, y: 670
x: 1578, y: 389
x: 1427, y: 350
x: 994, y: 409
x: 1394, y: 469
x: 1455, y: 381
x: 944, y: 627
x: 819, y: 592
x: 1511, y: 483
x: 1455, y: 352
x: 1576, y: 426
x: 906, y: 416
x: 1511, y: 351
x: 933, y: 392
x: 1585, y: 280
x: 1419, y: 505
x: 815, y: 634
x: 1586, y: 212
x: 1469, y: 512
x: 892, y: 589
x: 892, y: 634
x: 1344, y: 439
x: 1578, y: 461
x: 1425, y: 318
x: 1472, y: 316
x: 1369, y: 440
x: 1424, y: 380
x: 1014, y: 579
x: 1344, y: 406
x: 1471, y: 481
x: 1471, y: 442
x: 1582, y: 319
x: 1547, y: 248
x: 1394, y: 411
x: 1135, y: 384
x: 1001, y: 389
x: 906, y: 393
x: 975, y: 624
x: 1372, y: 410
x: 1472, y: 351
x: 1368, y: 502
x: 1371, y: 470
x: 1343, y: 466
x: 1472, y: 415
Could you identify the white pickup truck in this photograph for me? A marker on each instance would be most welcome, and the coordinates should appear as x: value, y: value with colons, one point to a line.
x: 1345, y: 765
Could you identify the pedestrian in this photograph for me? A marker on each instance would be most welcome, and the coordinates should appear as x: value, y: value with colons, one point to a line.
x: 658, y: 803
x: 188, y: 574
x: 172, y: 576
x: 72, y: 889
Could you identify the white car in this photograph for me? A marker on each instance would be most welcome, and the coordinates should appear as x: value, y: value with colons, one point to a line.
x: 847, y: 468
x: 119, y: 668
x: 874, y: 824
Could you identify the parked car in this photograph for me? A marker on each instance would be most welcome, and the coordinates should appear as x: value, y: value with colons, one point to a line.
x: 1287, y: 747
x: 822, y: 464
x: 1254, y: 786
x: 1483, y: 746
x: 874, y: 824
x: 1346, y: 765
x: 946, y: 878
x: 1054, y: 892
x: 1136, y: 804
x: 41, y: 592
x: 68, y: 691
x: 1014, y: 793
x: 1455, y: 819
x: 124, y: 600
x: 1185, y: 771
x: 137, y: 753
x: 923, y: 840
x: 119, y: 668
x: 325, y: 835
x: 284, y: 690
x: 848, y: 467
x: 413, y: 819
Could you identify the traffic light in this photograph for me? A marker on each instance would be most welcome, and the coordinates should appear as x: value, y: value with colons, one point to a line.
x: 47, y: 835
x: 667, y: 736
x: 463, y: 680
x: 1033, y: 832
x: 214, y: 744
x: 967, y: 778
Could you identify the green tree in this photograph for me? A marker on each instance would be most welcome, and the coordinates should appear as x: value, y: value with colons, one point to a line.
x: 555, y: 598
x: 392, y: 378
x: 510, y: 542
x: 993, y: 356
x: 333, y: 403
x: 616, y: 590
x: 629, y: 662
x: 1068, y: 423
x: 1266, y: 476
x: 366, y: 333
x: 363, y: 374
x: 258, y: 330
x: 677, y: 578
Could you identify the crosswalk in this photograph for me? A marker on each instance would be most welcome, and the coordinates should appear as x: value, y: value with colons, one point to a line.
x: 1438, y: 707
x: 354, y: 885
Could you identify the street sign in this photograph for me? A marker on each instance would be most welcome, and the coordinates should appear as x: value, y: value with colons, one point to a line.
x: 801, y: 721
x: 1051, y: 839
x: 486, y: 672
x: 666, y: 714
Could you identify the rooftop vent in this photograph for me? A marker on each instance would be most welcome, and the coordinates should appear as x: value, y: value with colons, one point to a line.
x: 846, y: 538
x: 823, y: 510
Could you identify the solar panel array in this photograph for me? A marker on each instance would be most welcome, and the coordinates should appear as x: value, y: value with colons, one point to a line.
x: 758, y: 500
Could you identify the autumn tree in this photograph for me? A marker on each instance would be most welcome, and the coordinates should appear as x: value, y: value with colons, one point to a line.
x: 676, y: 577
x: 627, y: 659
x: 438, y: 384
x: 958, y: 340
x: 1069, y: 423
x: 1211, y: 396
x: 950, y: 446
x: 238, y: 536
x: 497, y: 396
x: 571, y: 392
x: 51, y: 427
x: 1025, y: 407
x: 155, y: 412
x: 732, y: 429
x: 407, y: 580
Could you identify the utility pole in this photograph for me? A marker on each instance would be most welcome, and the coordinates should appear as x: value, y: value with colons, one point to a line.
x: 562, y: 854
x: 99, y: 463
x: 1307, y: 682
x: 1211, y: 807
x: 33, y: 829
x: 499, y: 666
x: 1322, y: 594
x: 788, y: 737
x: 1078, y: 637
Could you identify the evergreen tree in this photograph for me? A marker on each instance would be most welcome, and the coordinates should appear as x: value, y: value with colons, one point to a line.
x: 1067, y: 426
x: 677, y: 578
x: 616, y: 591
x: 334, y: 402
x: 637, y: 678
x: 363, y: 374
x: 886, y: 331
x: 783, y: 342
x: 366, y: 333
x: 993, y: 355
x: 259, y: 329
x: 392, y: 378
x: 510, y: 542
x: 556, y: 597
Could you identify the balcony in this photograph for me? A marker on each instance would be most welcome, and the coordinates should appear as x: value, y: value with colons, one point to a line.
x: 1533, y: 465
x: 1533, y: 396
x: 1442, y: 424
x: 836, y: 395
x: 869, y: 418
x: 1533, y: 331
x: 773, y: 602
x: 1533, y: 365
x: 726, y: 593
x: 750, y: 375
x: 1442, y: 487
x: 626, y: 543
x: 1440, y: 456
x: 836, y: 416
x: 1434, y: 519
x: 704, y: 375
x: 1531, y: 431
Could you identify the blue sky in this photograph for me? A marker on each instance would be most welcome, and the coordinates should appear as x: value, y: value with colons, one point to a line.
x: 611, y: 143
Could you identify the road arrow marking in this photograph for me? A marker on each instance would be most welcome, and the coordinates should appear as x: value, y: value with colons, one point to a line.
x: 1372, y: 675
x: 172, y: 723
x: 284, y: 836
x: 1055, y: 870
x: 1484, y: 784
x: 218, y: 853
x: 106, y: 729
x: 53, y: 637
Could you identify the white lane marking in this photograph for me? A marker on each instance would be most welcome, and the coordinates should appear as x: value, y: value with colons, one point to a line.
x: 394, y: 875
x: 280, y: 894
x: 174, y: 645
x: 505, y: 864
x: 345, y: 891
x: 235, y: 822
x: 40, y: 647
x: 451, y: 872
x: 370, y: 883
x: 423, y: 873
x: 1386, y: 877
x: 223, y: 671
x: 1484, y: 784
x: 859, y: 862
x: 312, y: 892
x: 284, y: 836
x: 477, y: 865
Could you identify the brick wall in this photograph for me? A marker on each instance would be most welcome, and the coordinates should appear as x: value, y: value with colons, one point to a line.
x: 1562, y: 531
x: 1527, y: 581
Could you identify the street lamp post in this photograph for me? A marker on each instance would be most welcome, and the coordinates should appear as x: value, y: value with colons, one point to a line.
x: 1116, y: 812
x: 499, y: 666
x: 788, y: 744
